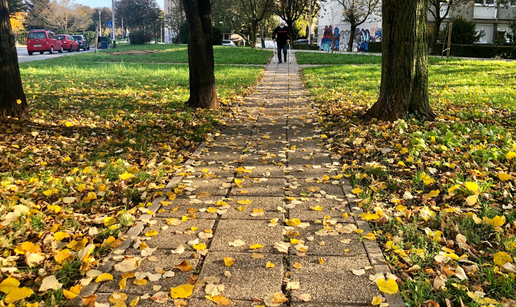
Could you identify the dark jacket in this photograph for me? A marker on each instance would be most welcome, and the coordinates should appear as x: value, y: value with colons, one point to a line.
x: 281, y: 35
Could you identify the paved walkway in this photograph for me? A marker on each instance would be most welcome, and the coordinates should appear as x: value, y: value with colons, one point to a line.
x: 268, y: 169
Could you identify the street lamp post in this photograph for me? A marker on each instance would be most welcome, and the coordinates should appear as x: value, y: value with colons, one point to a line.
x: 113, y: 18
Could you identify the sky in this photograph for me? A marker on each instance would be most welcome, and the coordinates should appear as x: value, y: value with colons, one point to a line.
x: 103, y: 3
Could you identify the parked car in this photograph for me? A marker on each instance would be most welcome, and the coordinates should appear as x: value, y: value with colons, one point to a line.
x: 69, y: 43
x: 83, y: 42
x: 227, y: 42
x: 43, y: 40
x: 104, y: 39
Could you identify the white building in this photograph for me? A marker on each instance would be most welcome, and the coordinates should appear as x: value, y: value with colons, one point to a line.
x: 331, y: 20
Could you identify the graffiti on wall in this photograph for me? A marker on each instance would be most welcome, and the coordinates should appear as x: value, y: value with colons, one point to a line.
x: 362, y: 37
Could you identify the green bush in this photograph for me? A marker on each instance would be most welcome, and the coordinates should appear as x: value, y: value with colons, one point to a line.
x: 481, y: 51
x: 217, y: 35
x: 305, y: 47
x: 374, y: 47
x: 137, y: 37
x: 464, y: 32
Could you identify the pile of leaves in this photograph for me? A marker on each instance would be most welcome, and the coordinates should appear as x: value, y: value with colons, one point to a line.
x: 101, y: 143
x: 438, y: 194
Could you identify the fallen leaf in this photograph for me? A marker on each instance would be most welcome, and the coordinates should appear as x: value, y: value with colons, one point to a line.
x: 182, y: 291
x: 305, y: 297
x: 237, y: 243
x: 50, y: 283
x: 269, y: 265
x: 184, y: 266
x: 228, y: 261
x: 390, y: 286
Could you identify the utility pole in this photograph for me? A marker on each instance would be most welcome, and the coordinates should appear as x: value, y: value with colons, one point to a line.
x: 97, y: 30
x: 310, y: 25
x: 113, y: 18
x: 123, y: 28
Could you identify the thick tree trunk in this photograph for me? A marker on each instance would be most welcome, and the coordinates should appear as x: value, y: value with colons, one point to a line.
x: 201, y: 63
x: 12, y: 98
x: 419, y: 105
x: 398, y: 40
x: 262, y: 34
x: 435, y: 36
x: 351, y: 38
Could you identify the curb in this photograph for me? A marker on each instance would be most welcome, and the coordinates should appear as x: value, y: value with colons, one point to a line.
x: 374, y: 253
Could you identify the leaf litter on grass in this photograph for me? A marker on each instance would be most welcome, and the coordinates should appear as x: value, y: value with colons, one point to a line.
x: 102, y: 143
x: 440, y: 194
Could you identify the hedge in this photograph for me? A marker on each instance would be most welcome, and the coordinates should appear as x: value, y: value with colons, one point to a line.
x: 305, y: 47
x: 473, y: 51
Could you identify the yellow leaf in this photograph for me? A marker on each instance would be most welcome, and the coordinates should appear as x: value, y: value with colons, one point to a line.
x: 317, y: 208
x: 68, y: 124
x: 244, y: 202
x: 255, y: 246
x: 473, y: 187
x: 59, y: 236
x: 199, y: 246
x: 125, y: 176
x: 134, y: 302
x: 294, y: 241
x: 140, y: 282
x: 8, y: 284
x: 122, y: 283
x: 433, y: 193
x: 55, y: 208
x: 501, y: 258
x: 504, y: 176
x: 293, y: 222
x: 151, y: 233
x: 182, y: 291
x: 297, y: 265
x: 269, y: 265
x: 510, y: 155
x: 117, y: 297
x: 367, y: 216
x: 104, y: 277
x: 184, y: 266
x: 376, y: 301
x: 73, y: 292
x: 498, y: 220
x: 221, y: 203
x: 241, y: 208
x: 390, y: 286
x: 18, y: 294
x: 228, y: 261
x: 211, y: 210
x: 220, y: 300
x: 357, y: 191
x: 321, y: 260
x: 471, y: 200
x: 370, y: 236
x: 27, y: 247
x: 47, y: 193
x: 109, y: 221
x: 63, y: 255
x: 359, y: 231
x: 36, y: 304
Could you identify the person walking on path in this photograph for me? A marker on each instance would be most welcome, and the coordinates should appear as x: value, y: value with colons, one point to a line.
x: 282, y: 38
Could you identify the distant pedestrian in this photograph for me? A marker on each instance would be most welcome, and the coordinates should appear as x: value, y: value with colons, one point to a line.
x: 282, y: 37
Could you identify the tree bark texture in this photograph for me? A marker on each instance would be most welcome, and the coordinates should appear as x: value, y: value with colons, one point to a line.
x: 404, y: 81
x: 398, y: 41
x: 201, y: 63
x: 419, y: 105
x: 435, y: 36
x: 12, y: 98
x: 351, y: 38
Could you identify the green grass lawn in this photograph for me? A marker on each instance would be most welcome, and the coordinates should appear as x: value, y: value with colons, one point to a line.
x: 426, y: 183
x: 159, y: 53
x: 103, y: 139
x: 321, y: 58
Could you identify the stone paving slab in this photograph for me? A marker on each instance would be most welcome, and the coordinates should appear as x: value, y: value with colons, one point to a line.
x: 250, y: 231
x: 335, y: 273
x: 181, y: 234
x: 249, y: 276
x: 269, y: 205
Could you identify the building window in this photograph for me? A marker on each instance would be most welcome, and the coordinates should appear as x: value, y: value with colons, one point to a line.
x: 487, y: 2
x: 226, y: 36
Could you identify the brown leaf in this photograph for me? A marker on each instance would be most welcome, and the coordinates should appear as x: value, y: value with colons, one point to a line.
x: 89, y: 301
x: 180, y: 303
x: 184, y: 266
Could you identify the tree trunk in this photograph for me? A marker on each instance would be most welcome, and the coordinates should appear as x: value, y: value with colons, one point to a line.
x: 290, y: 25
x: 351, y: 38
x: 435, y: 36
x: 419, y: 105
x: 398, y: 41
x: 201, y: 63
x: 12, y: 98
x: 262, y: 26
x: 252, y: 41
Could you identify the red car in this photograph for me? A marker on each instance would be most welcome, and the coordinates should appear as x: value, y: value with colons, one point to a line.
x: 69, y: 43
x: 43, y: 40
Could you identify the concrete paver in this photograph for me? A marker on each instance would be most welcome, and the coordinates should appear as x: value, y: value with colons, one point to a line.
x: 270, y: 157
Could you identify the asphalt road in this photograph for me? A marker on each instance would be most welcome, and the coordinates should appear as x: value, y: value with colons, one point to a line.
x: 23, y: 56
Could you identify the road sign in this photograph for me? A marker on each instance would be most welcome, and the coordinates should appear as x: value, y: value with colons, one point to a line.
x: 109, y: 24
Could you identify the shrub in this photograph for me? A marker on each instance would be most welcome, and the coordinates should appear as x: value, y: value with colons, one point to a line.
x: 464, y: 32
x: 183, y: 33
x: 136, y: 37
x: 375, y: 47
x: 217, y: 35
x: 482, y: 51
